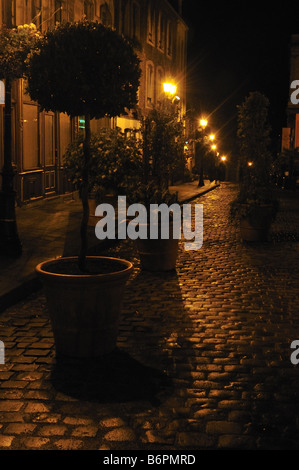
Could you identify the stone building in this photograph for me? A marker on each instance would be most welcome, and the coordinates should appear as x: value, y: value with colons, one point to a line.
x: 40, y: 138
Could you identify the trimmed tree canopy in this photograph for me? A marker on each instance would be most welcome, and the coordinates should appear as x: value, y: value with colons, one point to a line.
x: 84, y: 68
x: 15, y: 47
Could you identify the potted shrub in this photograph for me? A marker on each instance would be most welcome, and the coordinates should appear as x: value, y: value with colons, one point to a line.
x: 162, y: 153
x: 84, y: 69
x: 159, y: 253
x: 256, y: 204
x: 115, y: 165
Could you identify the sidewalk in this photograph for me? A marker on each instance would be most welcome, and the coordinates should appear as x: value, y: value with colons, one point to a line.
x: 50, y: 228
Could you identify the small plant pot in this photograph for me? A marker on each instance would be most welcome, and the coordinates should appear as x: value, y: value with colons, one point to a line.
x: 158, y: 254
x: 256, y: 227
x: 84, y: 308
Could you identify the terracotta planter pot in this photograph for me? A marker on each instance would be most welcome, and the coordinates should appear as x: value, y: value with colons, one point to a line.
x: 158, y: 254
x: 256, y: 227
x: 84, y: 308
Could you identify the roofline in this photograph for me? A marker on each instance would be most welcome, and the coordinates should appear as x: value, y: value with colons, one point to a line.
x: 178, y: 15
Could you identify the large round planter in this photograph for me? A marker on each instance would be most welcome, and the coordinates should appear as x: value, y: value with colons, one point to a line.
x: 84, y: 308
x: 256, y: 227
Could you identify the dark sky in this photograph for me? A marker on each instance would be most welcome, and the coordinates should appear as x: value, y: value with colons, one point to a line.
x: 235, y: 47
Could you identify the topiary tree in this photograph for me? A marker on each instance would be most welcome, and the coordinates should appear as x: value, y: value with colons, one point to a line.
x: 163, y: 145
x: 255, y: 157
x: 16, y: 45
x: 254, y: 139
x: 84, y: 69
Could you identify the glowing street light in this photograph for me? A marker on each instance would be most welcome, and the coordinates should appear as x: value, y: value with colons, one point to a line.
x: 249, y: 163
x: 203, y: 123
x: 212, y: 137
x: 169, y: 88
x: 223, y: 158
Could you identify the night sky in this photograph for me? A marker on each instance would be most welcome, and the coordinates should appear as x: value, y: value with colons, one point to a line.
x: 235, y: 48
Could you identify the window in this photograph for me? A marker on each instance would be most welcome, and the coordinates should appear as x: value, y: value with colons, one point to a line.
x: 105, y: 15
x: 159, y: 83
x: 30, y: 136
x: 49, y: 140
x: 81, y: 124
x: 135, y: 21
x: 89, y: 9
x: 161, y: 32
x: 149, y: 84
x: 58, y: 11
x: 150, y: 25
x: 169, y: 39
x: 37, y: 13
x: 65, y: 133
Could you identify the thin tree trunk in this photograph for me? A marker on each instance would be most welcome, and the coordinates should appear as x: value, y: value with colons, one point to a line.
x: 84, y: 197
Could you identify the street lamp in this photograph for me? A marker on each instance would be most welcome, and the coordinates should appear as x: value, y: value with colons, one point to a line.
x: 203, y: 123
x: 169, y: 88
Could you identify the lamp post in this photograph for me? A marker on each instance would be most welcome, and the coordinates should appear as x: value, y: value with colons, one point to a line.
x: 170, y: 89
x: 10, y: 244
x: 203, y: 123
x: 9, y: 238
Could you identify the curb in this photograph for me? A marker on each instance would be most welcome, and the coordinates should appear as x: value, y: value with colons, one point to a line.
x: 201, y: 193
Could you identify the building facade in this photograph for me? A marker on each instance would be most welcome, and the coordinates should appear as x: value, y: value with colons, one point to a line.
x: 41, y: 138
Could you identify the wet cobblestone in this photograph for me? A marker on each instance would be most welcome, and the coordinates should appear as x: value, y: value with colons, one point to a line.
x: 203, y: 359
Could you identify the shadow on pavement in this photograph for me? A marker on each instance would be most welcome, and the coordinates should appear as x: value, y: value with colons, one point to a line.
x: 157, y: 324
x: 115, y: 378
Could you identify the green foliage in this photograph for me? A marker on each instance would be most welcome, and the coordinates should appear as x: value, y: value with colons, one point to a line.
x: 287, y: 161
x: 248, y: 200
x: 254, y: 139
x: 151, y: 193
x: 84, y: 68
x: 16, y: 45
x: 163, y: 145
x: 115, y: 163
x: 162, y: 156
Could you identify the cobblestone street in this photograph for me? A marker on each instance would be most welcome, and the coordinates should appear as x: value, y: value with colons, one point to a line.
x: 203, y: 359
